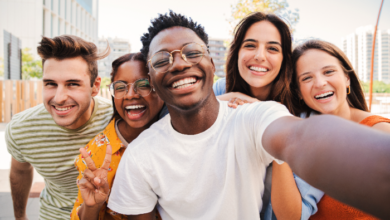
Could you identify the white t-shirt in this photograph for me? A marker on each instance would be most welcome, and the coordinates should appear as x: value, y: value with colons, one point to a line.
x: 217, y: 174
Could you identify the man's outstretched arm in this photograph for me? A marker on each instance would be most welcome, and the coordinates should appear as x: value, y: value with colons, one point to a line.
x: 21, y: 177
x: 347, y: 161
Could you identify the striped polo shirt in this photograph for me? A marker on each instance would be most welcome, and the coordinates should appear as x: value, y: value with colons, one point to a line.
x: 32, y: 136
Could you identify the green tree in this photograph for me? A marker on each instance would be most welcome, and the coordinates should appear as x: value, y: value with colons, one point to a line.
x: 31, y: 68
x: 377, y: 87
x: 105, y: 82
x: 279, y: 7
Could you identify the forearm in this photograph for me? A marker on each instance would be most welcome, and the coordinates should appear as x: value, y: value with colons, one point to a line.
x: 347, y: 161
x: 285, y: 197
x: 21, y: 181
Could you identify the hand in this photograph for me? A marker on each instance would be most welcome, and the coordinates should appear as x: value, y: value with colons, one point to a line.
x: 93, y: 186
x: 22, y: 218
x: 235, y: 102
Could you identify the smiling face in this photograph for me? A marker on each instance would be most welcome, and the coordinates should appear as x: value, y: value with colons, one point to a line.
x: 184, y: 86
x: 260, y: 56
x: 322, y: 82
x: 67, y: 91
x: 135, y: 110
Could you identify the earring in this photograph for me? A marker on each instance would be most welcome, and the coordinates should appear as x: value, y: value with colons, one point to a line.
x: 153, y: 89
x: 348, y: 90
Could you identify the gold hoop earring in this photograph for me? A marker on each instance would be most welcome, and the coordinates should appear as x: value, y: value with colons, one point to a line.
x: 348, y: 90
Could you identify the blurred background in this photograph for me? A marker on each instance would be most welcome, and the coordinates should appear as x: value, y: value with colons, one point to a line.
x: 349, y: 24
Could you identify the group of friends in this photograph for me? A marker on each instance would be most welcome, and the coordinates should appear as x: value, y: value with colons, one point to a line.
x: 278, y: 138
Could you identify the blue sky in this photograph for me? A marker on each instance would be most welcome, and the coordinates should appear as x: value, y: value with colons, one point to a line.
x: 329, y: 20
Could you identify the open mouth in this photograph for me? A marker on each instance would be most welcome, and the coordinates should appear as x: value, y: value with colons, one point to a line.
x: 324, y: 96
x: 135, y: 111
x: 184, y: 83
x: 258, y: 69
x: 63, y: 110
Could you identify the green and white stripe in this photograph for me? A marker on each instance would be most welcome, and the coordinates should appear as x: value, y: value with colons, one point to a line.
x: 32, y: 136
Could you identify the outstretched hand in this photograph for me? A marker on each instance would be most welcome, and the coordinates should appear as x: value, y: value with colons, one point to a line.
x: 236, y: 98
x: 93, y: 186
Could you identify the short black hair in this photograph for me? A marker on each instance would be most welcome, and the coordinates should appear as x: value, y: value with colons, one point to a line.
x: 169, y: 20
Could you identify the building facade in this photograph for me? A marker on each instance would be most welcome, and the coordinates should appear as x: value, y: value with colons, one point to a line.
x: 218, y: 51
x: 30, y: 19
x: 119, y: 47
x: 358, y: 48
x: 12, y: 57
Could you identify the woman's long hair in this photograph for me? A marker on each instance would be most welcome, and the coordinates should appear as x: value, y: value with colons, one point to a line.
x: 116, y: 64
x: 355, y: 98
x: 280, y: 90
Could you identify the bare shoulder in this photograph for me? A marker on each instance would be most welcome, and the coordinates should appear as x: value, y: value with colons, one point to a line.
x: 382, y: 126
x: 359, y: 115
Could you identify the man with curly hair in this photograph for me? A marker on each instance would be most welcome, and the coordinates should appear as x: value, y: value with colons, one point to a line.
x: 207, y: 161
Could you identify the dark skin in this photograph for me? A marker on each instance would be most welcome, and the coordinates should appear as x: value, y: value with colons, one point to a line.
x: 196, y: 106
x: 339, y: 152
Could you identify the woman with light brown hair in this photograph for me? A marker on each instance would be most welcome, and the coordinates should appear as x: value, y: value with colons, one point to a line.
x: 324, y: 82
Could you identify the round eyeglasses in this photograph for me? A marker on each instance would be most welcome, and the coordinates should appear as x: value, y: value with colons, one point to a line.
x: 191, y: 53
x: 141, y: 87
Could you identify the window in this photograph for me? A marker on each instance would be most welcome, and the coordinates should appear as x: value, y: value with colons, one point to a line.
x: 52, y: 5
x: 43, y: 22
x: 51, y: 26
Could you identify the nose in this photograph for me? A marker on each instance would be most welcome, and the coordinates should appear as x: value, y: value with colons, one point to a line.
x: 320, y: 81
x: 61, y: 95
x: 260, y: 54
x: 131, y: 94
x: 179, y: 64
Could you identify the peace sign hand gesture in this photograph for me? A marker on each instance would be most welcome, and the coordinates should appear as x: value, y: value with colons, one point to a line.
x: 93, y: 186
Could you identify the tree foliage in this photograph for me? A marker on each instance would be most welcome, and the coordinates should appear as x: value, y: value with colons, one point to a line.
x: 31, y: 68
x: 105, y: 82
x: 378, y: 87
x: 278, y: 7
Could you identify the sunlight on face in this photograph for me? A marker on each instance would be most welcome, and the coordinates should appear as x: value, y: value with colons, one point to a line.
x: 322, y: 82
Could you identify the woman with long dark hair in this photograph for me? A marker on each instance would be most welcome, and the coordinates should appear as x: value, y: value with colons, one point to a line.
x: 259, y: 65
x: 325, y: 82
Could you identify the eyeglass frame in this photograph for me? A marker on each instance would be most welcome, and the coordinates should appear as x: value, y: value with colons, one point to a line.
x: 181, y: 55
x: 127, y: 88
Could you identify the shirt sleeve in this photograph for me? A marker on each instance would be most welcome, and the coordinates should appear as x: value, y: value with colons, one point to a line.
x: 263, y: 114
x: 219, y: 87
x: 131, y: 193
x: 310, y: 197
x: 12, y: 147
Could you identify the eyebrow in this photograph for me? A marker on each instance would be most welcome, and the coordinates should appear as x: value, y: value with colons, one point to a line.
x: 68, y: 81
x: 255, y: 41
x: 164, y: 49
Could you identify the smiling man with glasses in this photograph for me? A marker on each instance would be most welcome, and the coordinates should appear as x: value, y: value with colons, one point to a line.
x: 207, y: 161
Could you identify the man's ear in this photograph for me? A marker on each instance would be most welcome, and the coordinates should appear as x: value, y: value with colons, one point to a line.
x: 96, y: 86
x: 212, y: 62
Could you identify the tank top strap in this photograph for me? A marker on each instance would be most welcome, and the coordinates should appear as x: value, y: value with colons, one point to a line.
x: 373, y: 120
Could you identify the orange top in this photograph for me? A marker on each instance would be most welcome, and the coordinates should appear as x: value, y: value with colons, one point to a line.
x: 97, y: 150
x: 329, y: 208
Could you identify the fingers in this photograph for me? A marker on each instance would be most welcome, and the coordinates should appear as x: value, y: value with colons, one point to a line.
x: 90, y: 164
x: 235, y: 102
x: 85, y: 184
x: 102, y: 184
x: 107, y: 158
x: 89, y: 175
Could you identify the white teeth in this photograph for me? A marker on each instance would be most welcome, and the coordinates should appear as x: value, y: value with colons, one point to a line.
x: 184, y: 82
x: 134, y: 107
x: 258, y: 69
x: 323, y: 95
x: 62, y: 109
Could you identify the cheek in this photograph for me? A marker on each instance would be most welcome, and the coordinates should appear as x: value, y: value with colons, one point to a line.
x: 118, y: 105
x: 305, y: 91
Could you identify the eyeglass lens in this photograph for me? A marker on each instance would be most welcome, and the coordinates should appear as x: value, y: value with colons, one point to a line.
x: 119, y: 89
x: 191, y: 53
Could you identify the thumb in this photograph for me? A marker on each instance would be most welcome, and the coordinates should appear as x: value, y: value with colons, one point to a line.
x: 102, y: 184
